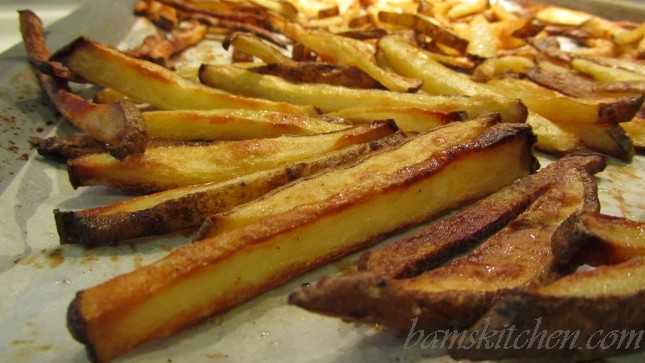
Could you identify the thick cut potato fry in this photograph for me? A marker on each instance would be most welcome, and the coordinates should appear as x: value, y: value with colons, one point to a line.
x: 601, y: 239
x: 152, y: 83
x: 442, y: 240
x: 610, y: 139
x: 170, y: 167
x: 586, y: 311
x: 425, y: 25
x: 329, y: 98
x: 214, y: 274
x: 457, y: 294
x: 604, y: 73
x: 408, y: 119
x: 483, y: 44
x: 226, y: 124
x: 355, y: 53
x: 315, y: 189
x: 158, y: 213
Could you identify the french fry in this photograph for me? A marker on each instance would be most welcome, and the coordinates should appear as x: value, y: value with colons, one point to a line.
x: 558, y: 15
x: 118, y: 124
x: 322, y: 187
x: 425, y: 25
x: 227, y: 124
x: 635, y: 129
x: 213, y: 274
x: 254, y: 45
x: 483, y: 44
x: 314, y: 72
x: 158, y: 48
x: 408, y: 119
x: 603, y: 73
x: 598, y: 239
x: 355, y: 53
x: 500, y: 67
x: 444, y: 239
x: 455, y: 295
x: 329, y: 98
x: 152, y: 83
x: 156, y: 214
x: 171, y: 167
x: 461, y: 9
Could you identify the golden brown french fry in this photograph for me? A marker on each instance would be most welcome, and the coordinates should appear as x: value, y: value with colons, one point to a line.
x: 629, y: 36
x: 158, y: 48
x: 456, y: 294
x: 157, y: 213
x: 356, y: 53
x: 329, y: 98
x: 408, y: 119
x: 598, y: 239
x: 324, y: 186
x: 170, y: 167
x: 610, y: 139
x: 227, y: 124
x: 214, y: 274
x: 558, y: 15
x: 314, y: 72
x: 255, y: 46
x: 635, y: 129
x: 499, y: 67
x: 425, y: 25
x: 152, y: 83
x: 482, y: 44
x: 603, y: 73
x: 461, y: 9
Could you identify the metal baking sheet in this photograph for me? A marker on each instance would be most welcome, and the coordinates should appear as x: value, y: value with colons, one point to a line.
x: 39, y: 277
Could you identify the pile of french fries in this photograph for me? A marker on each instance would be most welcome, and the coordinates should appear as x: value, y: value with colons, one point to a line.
x: 331, y: 126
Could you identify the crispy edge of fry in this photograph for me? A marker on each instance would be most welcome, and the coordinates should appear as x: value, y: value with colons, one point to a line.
x: 163, y: 168
x: 598, y: 239
x: 610, y: 139
x: 101, y: 317
x: 158, y: 213
x: 152, y: 83
x: 255, y: 46
x: 444, y: 239
x: 119, y: 124
x: 426, y: 25
x: 158, y: 48
x: 549, y: 309
x: 408, y: 119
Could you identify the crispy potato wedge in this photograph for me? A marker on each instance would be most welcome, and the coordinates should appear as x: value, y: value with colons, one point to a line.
x: 171, y: 167
x: 444, y: 239
x: 356, y: 53
x: 158, y: 213
x: 313, y: 72
x: 314, y: 189
x: 118, y: 124
x: 152, y: 83
x: 591, y: 314
x: 225, y: 124
x: 457, y: 294
x: 601, y: 239
x: 330, y: 98
x: 213, y: 274
x: 610, y: 139
x: 408, y: 119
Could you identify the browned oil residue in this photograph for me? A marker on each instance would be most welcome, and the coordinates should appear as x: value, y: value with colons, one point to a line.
x: 216, y: 356
x: 56, y: 257
x: 32, y: 260
x: 22, y: 341
x: 90, y: 259
x: 114, y: 258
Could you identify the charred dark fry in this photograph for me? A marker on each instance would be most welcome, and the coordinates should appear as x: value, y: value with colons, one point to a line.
x: 64, y: 149
x: 119, y: 124
x: 427, y: 26
x: 446, y: 238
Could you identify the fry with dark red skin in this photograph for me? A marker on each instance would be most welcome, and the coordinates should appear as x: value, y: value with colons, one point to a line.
x: 119, y: 125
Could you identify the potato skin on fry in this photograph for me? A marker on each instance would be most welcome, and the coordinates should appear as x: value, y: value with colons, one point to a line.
x: 211, y: 275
